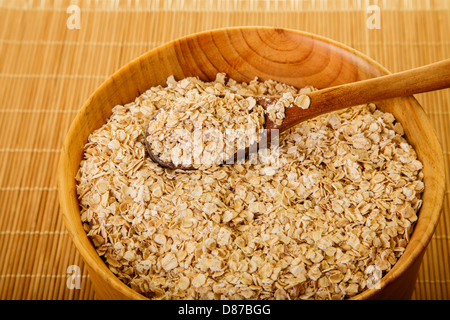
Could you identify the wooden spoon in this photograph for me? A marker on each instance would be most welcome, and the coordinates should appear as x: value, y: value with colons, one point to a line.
x: 431, y: 77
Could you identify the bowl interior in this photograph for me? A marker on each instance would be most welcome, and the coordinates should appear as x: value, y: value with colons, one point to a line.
x: 289, y: 56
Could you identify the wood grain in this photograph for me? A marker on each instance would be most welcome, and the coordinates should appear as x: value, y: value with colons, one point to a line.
x: 293, y: 57
x: 435, y: 76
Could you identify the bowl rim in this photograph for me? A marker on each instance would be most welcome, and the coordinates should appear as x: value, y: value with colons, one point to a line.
x: 98, y: 266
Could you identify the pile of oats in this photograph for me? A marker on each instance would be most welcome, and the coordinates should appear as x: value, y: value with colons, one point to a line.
x: 276, y: 111
x: 326, y: 223
x: 206, y: 125
x: 201, y: 129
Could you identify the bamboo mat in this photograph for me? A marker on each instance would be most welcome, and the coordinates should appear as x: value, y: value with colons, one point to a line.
x: 47, y: 71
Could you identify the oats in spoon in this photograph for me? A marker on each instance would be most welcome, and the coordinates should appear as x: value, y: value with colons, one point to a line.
x: 201, y: 130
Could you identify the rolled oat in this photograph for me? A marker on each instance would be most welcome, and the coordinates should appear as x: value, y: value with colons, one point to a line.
x: 331, y: 218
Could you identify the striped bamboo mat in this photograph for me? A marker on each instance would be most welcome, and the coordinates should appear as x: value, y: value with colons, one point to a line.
x: 48, y: 68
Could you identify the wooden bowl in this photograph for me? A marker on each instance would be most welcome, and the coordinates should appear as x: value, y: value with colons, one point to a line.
x: 293, y: 57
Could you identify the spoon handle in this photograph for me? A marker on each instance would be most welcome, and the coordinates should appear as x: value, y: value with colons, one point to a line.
x: 431, y: 77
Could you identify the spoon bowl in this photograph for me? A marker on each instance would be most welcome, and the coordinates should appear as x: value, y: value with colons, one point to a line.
x: 431, y: 77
